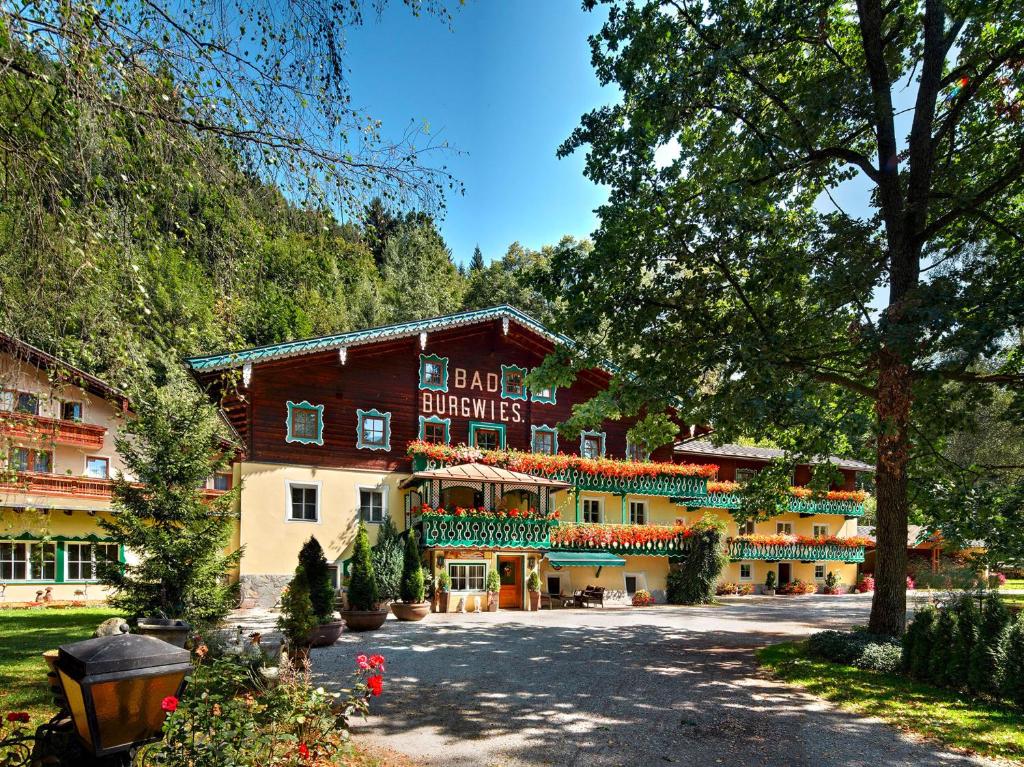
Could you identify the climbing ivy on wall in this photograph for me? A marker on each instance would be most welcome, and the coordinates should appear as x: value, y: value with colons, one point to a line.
x: 691, y: 581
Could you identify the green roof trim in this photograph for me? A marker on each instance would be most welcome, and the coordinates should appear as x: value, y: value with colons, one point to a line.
x: 385, y: 332
x: 583, y: 559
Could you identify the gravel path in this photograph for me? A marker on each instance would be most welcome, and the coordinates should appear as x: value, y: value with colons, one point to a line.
x: 620, y: 686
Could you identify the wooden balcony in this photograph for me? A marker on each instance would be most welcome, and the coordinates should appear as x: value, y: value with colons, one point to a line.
x: 483, y: 532
x: 38, y: 428
x: 67, y: 486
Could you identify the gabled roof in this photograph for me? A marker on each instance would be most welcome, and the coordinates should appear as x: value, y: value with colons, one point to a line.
x: 504, y: 312
x: 66, y: 372
x: 703, y: 447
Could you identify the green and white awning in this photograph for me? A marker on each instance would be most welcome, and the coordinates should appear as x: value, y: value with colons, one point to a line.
x: 584, y: 559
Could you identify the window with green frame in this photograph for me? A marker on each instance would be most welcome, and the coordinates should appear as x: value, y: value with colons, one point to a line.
x: 305, y: 423
x: 487, y: 436
x: 592, y: 444
x: 373, y: 430
x: 544, y: 439
x: 513, y: 382
x: 433, y: 373
x: 545, y: 396
x: 435, y: 429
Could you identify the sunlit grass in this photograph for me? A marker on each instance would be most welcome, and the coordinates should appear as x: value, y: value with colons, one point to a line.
x: 24, y: 636
x: 953, y: 719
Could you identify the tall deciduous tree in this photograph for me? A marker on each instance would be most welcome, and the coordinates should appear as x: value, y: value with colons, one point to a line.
x: 731, y: 278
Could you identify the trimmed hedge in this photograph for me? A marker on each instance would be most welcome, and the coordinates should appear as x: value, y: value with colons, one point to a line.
x: 857, y: 648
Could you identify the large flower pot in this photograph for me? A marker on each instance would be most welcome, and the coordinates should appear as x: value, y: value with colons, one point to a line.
x: 442, y: 602
x: 492, y: 601
x: 170, y: 630
x: 534, y: 600
x: 411, y: 611
x: 325, y: 634
x: 364, y: 620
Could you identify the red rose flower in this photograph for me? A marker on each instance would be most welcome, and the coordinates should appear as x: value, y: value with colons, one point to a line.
x: 169, y: 704
x: 377, y: 661
x: 304, y: 751
x: 362, y: 662
x: 375, y: 684
x: 18, y: 716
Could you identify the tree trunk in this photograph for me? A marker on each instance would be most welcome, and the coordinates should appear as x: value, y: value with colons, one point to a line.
x: 892, y: 408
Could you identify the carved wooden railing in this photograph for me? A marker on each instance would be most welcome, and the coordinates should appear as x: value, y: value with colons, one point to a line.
x: 486, y: 532
x: 33, y: 483
x: 796, y: 505
x: 738, y: 548
x: 59, y: 431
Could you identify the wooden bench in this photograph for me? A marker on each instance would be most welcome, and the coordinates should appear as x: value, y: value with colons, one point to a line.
x: 591, y: 595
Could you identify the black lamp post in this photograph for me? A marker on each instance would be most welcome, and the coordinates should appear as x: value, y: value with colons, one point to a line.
x: 114, y: 686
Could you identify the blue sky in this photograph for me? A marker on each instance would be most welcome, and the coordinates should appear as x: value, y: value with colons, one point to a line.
x: 504, y: 86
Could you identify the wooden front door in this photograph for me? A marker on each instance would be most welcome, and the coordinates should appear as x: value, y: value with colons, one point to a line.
x: 510, y: 571
x: 785, y: 573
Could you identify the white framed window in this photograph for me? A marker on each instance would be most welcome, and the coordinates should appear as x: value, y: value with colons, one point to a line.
x: 7, y: 399
x: 744, y: 475
x: 746, y: 571
x: 222, y: 481
x: 819, y: 571
x: 593, y: 510
x: 97, y: 467
x: 638, y: 512
x: 28, y: 561
x: 372, y: 505
x: 747, y: 528
x: 635, y: 582
x: 783, y: 528
x: 81, y: 559
x: 820, y: 531
x: 467, y: 576
x: 303, y: 501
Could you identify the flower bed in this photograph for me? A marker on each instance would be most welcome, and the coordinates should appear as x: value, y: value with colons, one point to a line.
x: 602, y: 474
x: 797, y: 587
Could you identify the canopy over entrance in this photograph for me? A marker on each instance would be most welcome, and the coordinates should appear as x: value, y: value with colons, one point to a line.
x: 482, y: 472
x: 583, y: 559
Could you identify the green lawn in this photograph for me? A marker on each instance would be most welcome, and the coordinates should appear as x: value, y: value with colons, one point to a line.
x: 1013, y: 584
x: 943, y: 715
x: 24, y: 635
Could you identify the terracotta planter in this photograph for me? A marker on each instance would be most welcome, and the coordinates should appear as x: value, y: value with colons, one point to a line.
x: 534, y: 600
x: 325, y: 634
x: 492, y: 601
x: 442, y: 602
x: 411, y: 611
x: 364, y: 620
x: 170, y: 630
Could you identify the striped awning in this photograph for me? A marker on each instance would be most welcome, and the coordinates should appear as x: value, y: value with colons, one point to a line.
x: 481, y: 472
x: 583, y: 559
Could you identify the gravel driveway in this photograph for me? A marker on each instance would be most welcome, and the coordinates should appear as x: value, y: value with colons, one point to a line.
x: 619, y: 686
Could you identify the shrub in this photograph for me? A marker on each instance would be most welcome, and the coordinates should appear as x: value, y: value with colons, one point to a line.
x: 297, y: 618
x: 387, y: 556
x: 769, y: 581
x: 944, y: 639
x: 314, y: 568
x: 968, y: 621
x: 533, y: 581
x: 724, y: 589
x: 917, y: 642
x: 831, y: 583
x: 412, y: 571
x: 865, y: 584
x: 362, y: 588
x: 642, y: 598
x: 856, y: 648
x: 797, y: 587
x: 692, y: 582
x: 745, y: 589
x: 985, y: 669
x: 996, y: 580
x: 1013, y: 671
x: 493, y: 581
x: 444, y: 582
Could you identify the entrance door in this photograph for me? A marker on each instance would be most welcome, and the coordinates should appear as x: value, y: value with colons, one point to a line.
x: 785, y: 572
x: 510, y: 572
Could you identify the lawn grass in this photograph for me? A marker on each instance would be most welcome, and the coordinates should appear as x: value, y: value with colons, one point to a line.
x: 943, y: 715
x: 1014, y: 583
x: 24, y: 635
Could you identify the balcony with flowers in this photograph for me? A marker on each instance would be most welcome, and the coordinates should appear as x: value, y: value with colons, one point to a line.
x: 595, y: 474
x: 802, y: 500
x: 797, y: 547
x: 459, y: 527
x: 650, y: 540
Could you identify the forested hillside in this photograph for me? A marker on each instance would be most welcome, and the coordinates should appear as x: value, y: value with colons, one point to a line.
x: 127, y: 243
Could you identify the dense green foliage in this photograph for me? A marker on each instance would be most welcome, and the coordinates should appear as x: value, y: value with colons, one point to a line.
x: 493, y: 581
x: 727, y: 275
x: 297, y: 617
x: 179, y: 539
x: 533, y: 581
x: 387, y: 556
x: 313, y: 568
x: 412, y: 571
x: 362, y: 587
x: 986, y: 665
x: 692, y: 581
x: 857, y: 648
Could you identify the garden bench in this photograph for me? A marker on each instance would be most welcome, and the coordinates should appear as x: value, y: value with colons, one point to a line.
x: 591, y: 595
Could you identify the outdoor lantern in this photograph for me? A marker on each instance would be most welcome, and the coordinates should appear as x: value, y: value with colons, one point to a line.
x: 115, y: 686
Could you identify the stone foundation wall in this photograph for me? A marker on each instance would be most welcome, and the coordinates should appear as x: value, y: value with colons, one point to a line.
x: 261, y: 590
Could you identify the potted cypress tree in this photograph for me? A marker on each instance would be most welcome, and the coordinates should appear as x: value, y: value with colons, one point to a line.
x: 313, y: 568
x: 297, y: 621
x: 493, y: 588
x: 412, y: 607
x: 363, y: 613
x: 444, y: 586
x: 769, y: 584
x: 533, y: 586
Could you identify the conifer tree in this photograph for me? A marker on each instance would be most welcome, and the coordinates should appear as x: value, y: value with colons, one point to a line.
x: 476, y: 263
x: 313, y: 568
x: 1013, y: 670
x: 917, y: 643
x: 985, y: 671
x: 362, y: 588
x: 945, y: 638
x: 386, y: 556
x: 968, y: 620
x: 412, y: 571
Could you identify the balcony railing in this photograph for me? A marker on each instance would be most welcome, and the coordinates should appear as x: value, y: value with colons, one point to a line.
x: 37, y: 427
x: 643, y: 540
x: 739, y: 548
x: 847, y: 508
x: 32, y: 483
x: 485, y: 532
